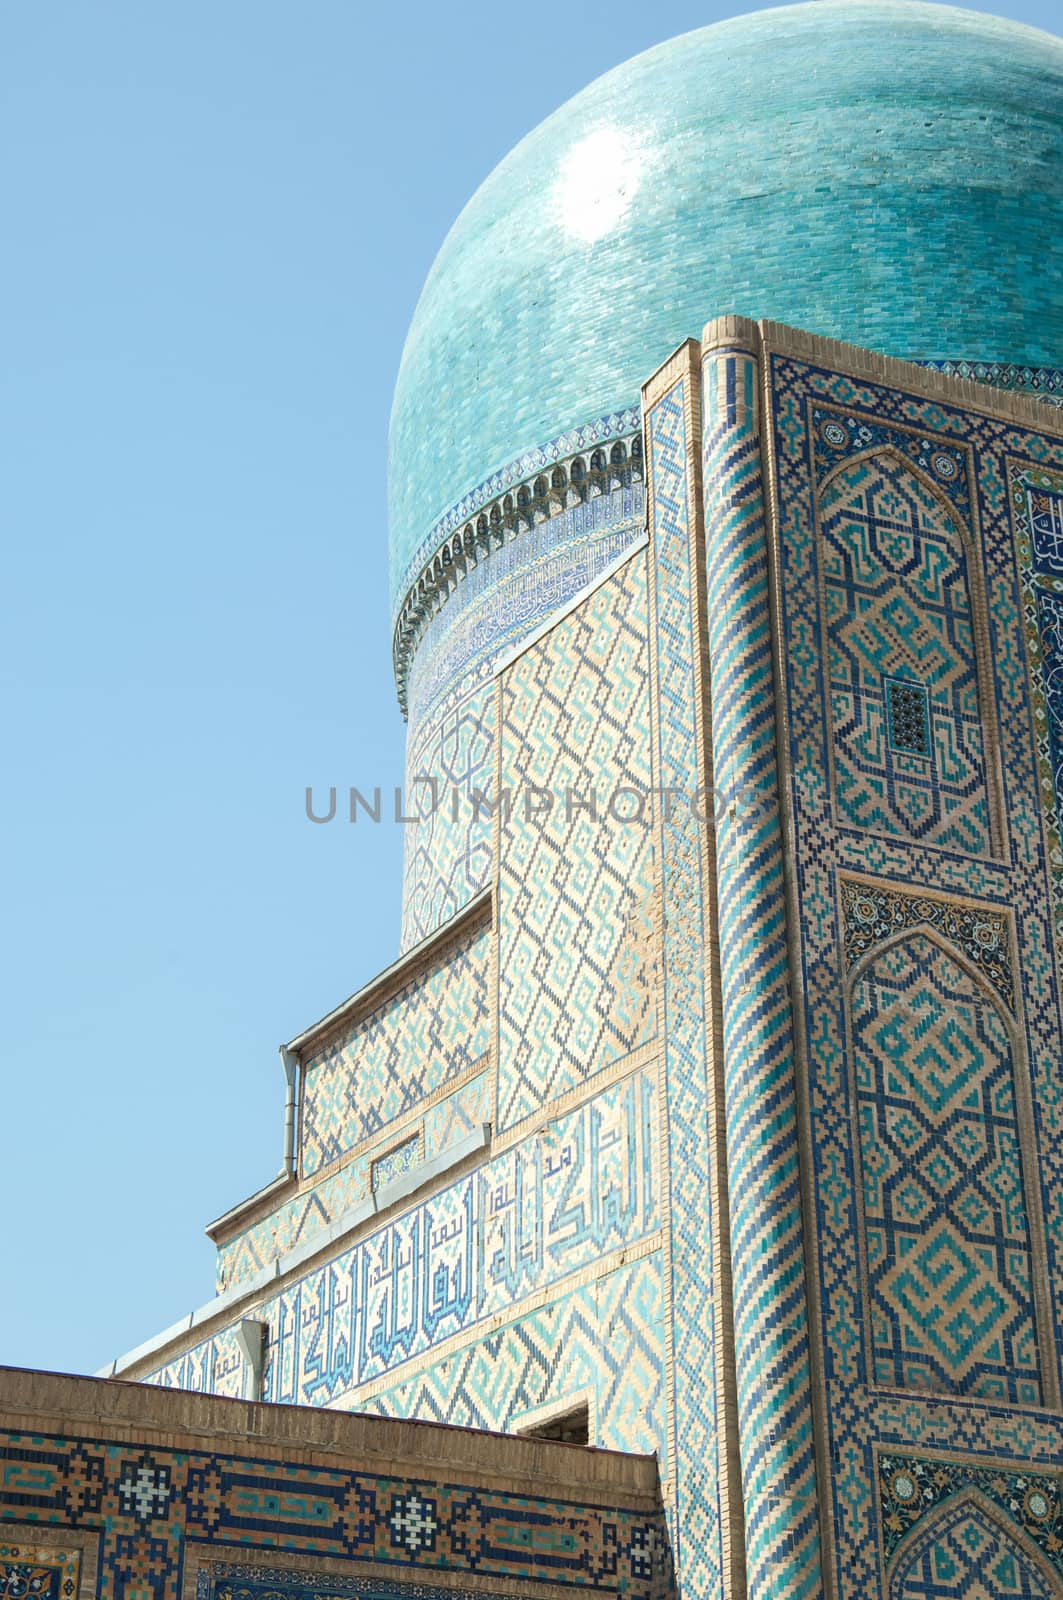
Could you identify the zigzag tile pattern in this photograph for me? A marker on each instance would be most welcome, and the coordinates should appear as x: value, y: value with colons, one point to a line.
x: 577, y: 964
x: 998, y: 460
x: 605, y: 1339
x: 771, y: 1330
x: 698, y: 1533
x: 434, y: 1028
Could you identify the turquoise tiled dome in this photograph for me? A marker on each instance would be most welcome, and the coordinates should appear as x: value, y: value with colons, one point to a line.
x: 887, y: 172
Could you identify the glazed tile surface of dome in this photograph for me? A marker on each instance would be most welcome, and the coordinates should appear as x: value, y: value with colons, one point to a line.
x: 882, y: 171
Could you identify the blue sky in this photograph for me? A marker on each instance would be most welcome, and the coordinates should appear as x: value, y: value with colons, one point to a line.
x: 217, y: 221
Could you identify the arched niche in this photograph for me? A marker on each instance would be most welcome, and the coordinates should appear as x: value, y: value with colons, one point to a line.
x: 908, y: 689
x: 968, y: 1550
x: 948, y: 1266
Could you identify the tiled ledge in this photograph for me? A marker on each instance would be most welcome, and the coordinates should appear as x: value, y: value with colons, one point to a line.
x: 290, y: 1263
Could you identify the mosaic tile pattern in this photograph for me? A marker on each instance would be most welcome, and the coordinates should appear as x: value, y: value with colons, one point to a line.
x: 240, y: 1258
x: 896, y: 606
x: 945, y: 1228
x: 450, y: 759
x: 431, y: 1030
x: 873, y: 913
x: 914, y: 1490
x: 398, y: 1161
x: 605, y: 1338
x: 967, y: 1557
x: 538, y: 1212
x: 1033, y: 487
x: 145, y: 1503
x: 37, y: 1571
x: 1044, y: 382
x: 854, y: 1413
x: 226, y: 1581
x: 700, y: 1502
x: 771, y: 1328
x: 214, y: 1366
x: 577, y: 964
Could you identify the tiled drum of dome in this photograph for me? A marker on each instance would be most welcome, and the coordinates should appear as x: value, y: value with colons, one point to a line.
x: 898, y: 620
x: 945, y: 1229
x: 450, y: 761
x: 575, y: 877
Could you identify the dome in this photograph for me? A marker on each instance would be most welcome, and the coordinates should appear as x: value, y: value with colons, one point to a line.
x: 882, y: 171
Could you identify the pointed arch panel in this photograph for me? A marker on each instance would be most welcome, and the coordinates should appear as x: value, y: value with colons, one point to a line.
x: 946, y: 1234
x: 908, y: 739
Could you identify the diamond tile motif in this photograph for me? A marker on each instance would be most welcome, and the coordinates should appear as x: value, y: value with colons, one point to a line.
x: 577, y: 964
x: 430, y: 1031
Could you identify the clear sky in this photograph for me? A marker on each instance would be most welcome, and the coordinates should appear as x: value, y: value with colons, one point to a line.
x: 216, y: 219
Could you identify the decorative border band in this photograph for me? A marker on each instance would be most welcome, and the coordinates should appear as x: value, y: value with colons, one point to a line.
x: 576, y: 467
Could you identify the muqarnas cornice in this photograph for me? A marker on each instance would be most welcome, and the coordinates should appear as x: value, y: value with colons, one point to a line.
x: 570, y: 470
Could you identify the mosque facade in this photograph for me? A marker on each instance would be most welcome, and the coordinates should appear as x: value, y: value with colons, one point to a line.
x: 711, y: 1115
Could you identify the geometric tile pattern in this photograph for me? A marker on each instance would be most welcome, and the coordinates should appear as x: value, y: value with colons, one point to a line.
x: 247, y: 1253
x: 898, y: 618
x: 771, y: 1327
x: 461, y: 1113
x: 700, y: 1503
x: 214, y: 1366
x: 449, y: 756
x: 873, y: 913
x: 526, y: 1219
x: 1022, y: 877
x: 38, y: 1572
x: 914, y: 1490
x: 146, y: 1502
x: 967, y: 1556
x: 1034, y: 494
x: 575, y: 875
x: 432, y: 1029
x: 945, y: 1231
x: 606, y: 1336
